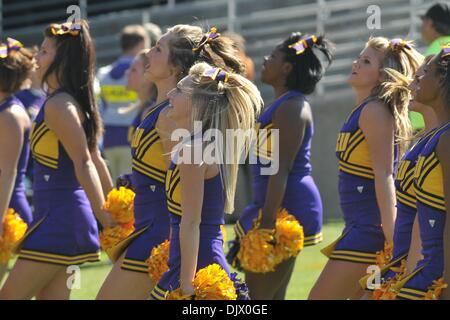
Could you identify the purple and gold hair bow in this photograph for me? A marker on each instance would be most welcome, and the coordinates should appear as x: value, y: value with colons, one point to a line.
x: 66, y: 28
x: 210, y: 36
x: 217, y: 74
x: 301, y: 45
x: 445, y: 51
x: 400, y: 43
x: 11, y: 45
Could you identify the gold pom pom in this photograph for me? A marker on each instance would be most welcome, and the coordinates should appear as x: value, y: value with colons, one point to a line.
x: 261, y: 250
x: 210, y: 283
x: 14, y: 229
x: 157, y: 262
x: 120, y: 204
x: 176, y: 295
x: 109, y: 237
x: 213, y: 283
x: 289, y: 235
x: 385, y: 256
x: 435, y: 291
x: 257, y: 251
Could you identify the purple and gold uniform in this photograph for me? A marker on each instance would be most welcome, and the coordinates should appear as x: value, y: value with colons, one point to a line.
x: 67, y: 233
x: 150, y: 203
x: 363, y: 235
x: 302, y: 198
x: 211, y: 238
x: 406, y: 203
x: 137, y: 120
x: 18, y: 200
x: 431, y: 210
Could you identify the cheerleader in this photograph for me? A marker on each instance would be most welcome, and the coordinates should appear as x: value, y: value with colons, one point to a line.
x: 70, y: 177
x: 432, y: 189
x: 198, y: 194
x: 16, y: 64
x: 145, y: 89
x: 367, y: 152
x: 168, y: 62
x: 406, y: 246
x: 293, y: 70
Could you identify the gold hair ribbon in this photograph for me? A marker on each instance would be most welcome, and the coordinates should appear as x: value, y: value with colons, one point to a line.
x: 301, y: 45
x: 445, y: 51
x: 11, y: 46
x: 210, y: 36
x: 400, y: 43
x: 66, y: 28
x: 216, y: 74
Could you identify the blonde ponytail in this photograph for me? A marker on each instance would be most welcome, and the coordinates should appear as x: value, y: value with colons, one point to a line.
x: 231, y: 103
x: 399, y: 66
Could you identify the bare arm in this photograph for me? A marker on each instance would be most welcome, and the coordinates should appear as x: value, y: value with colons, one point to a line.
x: 11, y: 140
x: 103, y: 172
x: 443, y: 155
x: 192, y: 178
x: 377, y: 124
x: 290, y: 120
x: 61, y: 116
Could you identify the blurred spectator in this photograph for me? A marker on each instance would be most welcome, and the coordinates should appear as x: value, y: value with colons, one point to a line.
x: 114, y: 95
x: 31, y: 94
x: 239, y: 45
x: 154, y: 33
x: 436, y: 28
x: 146, y: 91
x: 435, y: 33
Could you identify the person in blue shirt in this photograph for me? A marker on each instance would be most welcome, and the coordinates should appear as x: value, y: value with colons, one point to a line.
x: 115, y: 95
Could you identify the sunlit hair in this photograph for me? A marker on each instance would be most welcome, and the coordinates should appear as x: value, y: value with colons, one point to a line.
x: 15, y: 69
x: 218, y: 52
x: 394, y: 90
x: 221, y: 105
x: 443, y: 70
x: 73, y: 67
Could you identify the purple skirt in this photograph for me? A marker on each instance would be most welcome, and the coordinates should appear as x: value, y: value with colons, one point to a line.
x: 210, y: 251
x: 302, y: 200
x: 155, y: 216
x: 20, y: 204
x: 67, y: 233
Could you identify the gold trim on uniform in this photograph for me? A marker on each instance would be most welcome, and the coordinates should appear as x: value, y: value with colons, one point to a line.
x: 353, y: 154
x: 428, y: 184
x: 411, y: 294
x: 354, y: 256
x: 134, y: 265
x: 158, y: 293
x: 150, y: 166
x: 44, y: 145
x: 58, y: 259
x: 313, y: 240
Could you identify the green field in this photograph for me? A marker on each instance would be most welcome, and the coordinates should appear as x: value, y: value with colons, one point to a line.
x: 309, y: 264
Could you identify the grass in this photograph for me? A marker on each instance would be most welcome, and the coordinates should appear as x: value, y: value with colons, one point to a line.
x: 307, y: 269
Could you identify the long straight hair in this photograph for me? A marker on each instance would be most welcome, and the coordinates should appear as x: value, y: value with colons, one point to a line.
x: 73, y: 67
x: 220, y: 106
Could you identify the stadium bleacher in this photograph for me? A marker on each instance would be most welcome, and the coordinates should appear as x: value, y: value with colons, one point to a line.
x: 263, y: 23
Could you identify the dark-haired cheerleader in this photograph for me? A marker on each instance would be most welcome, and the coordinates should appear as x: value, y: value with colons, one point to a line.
x: 70, y: 177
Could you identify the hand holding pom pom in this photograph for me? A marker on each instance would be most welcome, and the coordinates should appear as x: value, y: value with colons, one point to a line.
x: 14, y: 229
x: 261, y: 250
x: 210, y: 283
x: 157, y: 263
x: 120, y: 205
